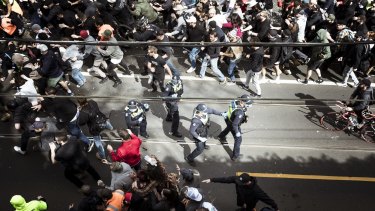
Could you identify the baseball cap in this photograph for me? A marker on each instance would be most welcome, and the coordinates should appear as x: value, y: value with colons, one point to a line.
x: 151, y: 160
x: 191, y: 19
x: 194, y: 194
x: 107, y: 33
x: 42, y: 47
x: 84, y: 34
x: 243, y: 179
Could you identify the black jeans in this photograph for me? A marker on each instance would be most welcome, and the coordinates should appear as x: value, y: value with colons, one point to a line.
x: 25, y: 137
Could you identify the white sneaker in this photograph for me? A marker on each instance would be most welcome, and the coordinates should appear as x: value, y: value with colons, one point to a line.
x: 18, y: 149
x: 277, y: 80
x: 89, y: 70
x: 150, y: 78
x: 190, y: 70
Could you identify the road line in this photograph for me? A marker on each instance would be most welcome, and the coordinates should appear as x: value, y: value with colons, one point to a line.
x: 310, y: 177
x: 194, y: 78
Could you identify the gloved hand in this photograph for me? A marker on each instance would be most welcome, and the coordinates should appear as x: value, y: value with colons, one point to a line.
x: 140, y: 119
x: 146, y: 105
x: 224, y: 114
x: 202, y: 139
x: 238, y: 134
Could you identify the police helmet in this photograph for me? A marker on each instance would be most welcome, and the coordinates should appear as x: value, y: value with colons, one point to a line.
x: 175, y: 79
x: 246, y: 99
x: 132, y: 105
x: 201, y: 107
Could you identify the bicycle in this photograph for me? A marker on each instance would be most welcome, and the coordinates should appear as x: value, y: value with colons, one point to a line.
x: 368, y: 130
x: 337, y: 121
x: 347, y: 120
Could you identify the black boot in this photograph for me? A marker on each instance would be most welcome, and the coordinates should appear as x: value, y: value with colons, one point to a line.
x: 117, y: 82
x: 103, y: 80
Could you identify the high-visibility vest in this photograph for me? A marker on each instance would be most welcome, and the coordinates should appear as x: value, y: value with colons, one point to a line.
x: 116, y: 202
x: 234, y: 105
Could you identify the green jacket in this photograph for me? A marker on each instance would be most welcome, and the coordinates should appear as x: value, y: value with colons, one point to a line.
x: 321, y: 37
x: 143, y: 8
x: 19, y: 203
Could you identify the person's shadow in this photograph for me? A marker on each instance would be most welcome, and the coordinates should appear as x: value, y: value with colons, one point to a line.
x: 314, y: 109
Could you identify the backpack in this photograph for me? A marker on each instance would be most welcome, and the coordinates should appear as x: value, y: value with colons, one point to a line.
x: 97, y: 119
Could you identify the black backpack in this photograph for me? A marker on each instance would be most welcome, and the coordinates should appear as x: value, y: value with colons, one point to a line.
x: 97, y: 119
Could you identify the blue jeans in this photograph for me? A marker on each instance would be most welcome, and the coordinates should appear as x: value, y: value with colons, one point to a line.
x: 193, y: 56
x: 98, y: 141
x: 74, y: 130
x: 214, y: 68
x: 78, y: 77
x: 172, y: 67
x: 232, y: 65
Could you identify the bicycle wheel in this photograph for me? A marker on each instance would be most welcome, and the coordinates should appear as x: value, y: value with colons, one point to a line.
x: 368, y: 133
x: 334, y: 121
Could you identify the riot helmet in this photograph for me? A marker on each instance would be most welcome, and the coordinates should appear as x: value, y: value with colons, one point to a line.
x: 201, y: 108
x: 175, y: 79
x: 132, y: 105
x: 247, y: 100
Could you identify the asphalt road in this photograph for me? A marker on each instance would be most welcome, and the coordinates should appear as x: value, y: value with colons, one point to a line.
x: 281, y: 137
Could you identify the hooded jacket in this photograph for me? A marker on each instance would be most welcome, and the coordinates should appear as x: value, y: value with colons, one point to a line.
x: 143, y: 8
x: 321, y: 37
x: 19, y: 203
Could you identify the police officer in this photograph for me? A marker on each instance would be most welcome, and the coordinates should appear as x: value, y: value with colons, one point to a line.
x: 236, y: 115
x: 173, y: 90
x: 135, y: 117
x: 199, y: 129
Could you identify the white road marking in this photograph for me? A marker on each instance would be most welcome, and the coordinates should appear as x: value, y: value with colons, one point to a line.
x: 194, y: 78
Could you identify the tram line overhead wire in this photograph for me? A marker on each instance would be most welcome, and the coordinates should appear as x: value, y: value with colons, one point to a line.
x: 214, y: 100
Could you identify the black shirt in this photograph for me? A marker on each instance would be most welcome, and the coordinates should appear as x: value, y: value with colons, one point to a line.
x: 157, y: 63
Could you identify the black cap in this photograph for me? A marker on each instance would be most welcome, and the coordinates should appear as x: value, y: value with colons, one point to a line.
x: 243, y: 179
x: 187, y: 174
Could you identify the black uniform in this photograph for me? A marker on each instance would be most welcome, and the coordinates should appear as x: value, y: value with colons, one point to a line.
x: 236, y: 116
x: 199, y: 129
x: 173, y: 90
x: 249, y: 194
x: 136, y: 120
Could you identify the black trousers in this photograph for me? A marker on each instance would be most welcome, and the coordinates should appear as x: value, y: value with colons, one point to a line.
x: 173, y: 115
x: 140, y: 129
x: 71, y: 174
x: 197, y: 151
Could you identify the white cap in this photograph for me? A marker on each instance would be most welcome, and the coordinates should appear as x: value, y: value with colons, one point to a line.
x: 151, y: 161
x: 192, y: 19
x: 42, y: 47
x: 194, y: 194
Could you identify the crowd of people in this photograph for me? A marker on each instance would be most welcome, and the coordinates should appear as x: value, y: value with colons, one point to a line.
x: 44, y: 69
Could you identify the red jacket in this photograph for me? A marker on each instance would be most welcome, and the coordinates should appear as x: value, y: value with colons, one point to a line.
x: 129, y: 151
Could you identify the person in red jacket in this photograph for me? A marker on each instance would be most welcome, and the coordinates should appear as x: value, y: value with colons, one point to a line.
x: 129, y: 151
